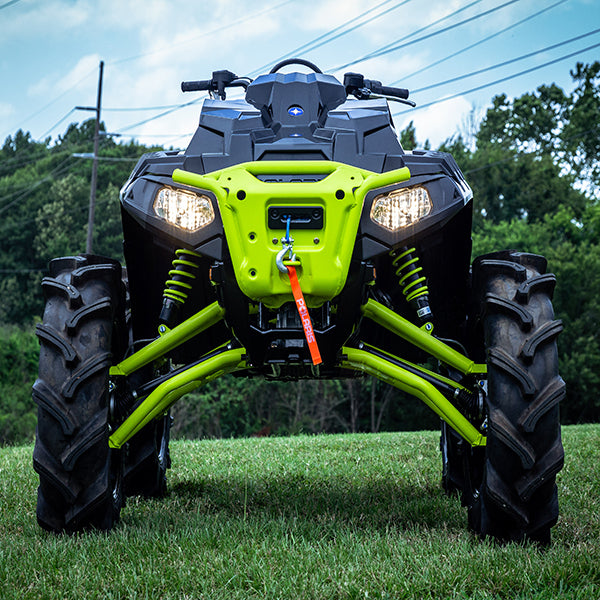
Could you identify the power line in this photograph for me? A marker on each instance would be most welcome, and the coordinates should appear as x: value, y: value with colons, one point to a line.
x: 160, y: 115
x: 58, y: 123
x: 497, y: 81
x: 10, y: 226
x: 143, y: 108
x: 90, y: 156
x: 424, y: 28
x: 388, y: 49
x: 204, y: 34
x: 478, y: 43
x: 504, y: 63
x: 7, y: 4
x: 54, y: 173
x: 134, y: 134
x: 321, y: 39
x: 49, y: 104
x: 172, y: 108
x: 22, y: 271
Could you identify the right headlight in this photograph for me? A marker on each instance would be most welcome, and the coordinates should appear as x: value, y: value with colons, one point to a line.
x: 401, y: 208
x: 183, y: 208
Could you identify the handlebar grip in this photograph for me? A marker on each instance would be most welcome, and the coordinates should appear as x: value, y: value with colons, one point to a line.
x: 395, y: 92
x: 196, y: 86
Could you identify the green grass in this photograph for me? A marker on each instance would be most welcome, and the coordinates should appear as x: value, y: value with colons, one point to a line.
x: 360, y: 516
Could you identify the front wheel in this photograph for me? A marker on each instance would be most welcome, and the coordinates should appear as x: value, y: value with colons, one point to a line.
x: 517, y: 498
x: 82, y: 331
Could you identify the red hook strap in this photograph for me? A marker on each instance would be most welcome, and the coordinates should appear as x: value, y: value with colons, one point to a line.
x: 304, y: 316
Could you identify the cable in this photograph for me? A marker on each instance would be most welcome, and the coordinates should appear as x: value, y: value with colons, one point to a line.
x: 166, y: 112
x: 54, y: 173
x: 504, y: 63
x: 482, y: 41
x: 134, y: 134
x: 502, y: 80
x: 58, y: 123
x: 203, y: 35
x: 21, y: 271
x: 388, y: 49
x: 107, y: 158
x: 10, y: 226
x: 49, y: 104
x: 7, y: 4
x: 314, y: 43
x: 425, y: 27
x: 143, y: 108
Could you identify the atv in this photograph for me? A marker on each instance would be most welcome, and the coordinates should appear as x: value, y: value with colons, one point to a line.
x: 295, y: 238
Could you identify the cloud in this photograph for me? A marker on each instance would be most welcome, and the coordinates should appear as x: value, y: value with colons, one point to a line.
x: 84, y: 68
x: 6, y: 110
x: 51, y: 18
x: 437, y: 123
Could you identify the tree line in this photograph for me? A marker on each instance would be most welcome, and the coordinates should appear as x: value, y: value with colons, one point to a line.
x: 532, y: 161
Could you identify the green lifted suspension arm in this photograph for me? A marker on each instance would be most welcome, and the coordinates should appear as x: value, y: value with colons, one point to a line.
x: 196, y: 324
x: 378, y: 366
x: 391, y: 370
x: 166, y: 394
x: 221, y: 361
x: 415, y: 335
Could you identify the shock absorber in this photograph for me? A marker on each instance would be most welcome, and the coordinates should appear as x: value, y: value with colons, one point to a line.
x: 412, y: 282
x: 179, y: 284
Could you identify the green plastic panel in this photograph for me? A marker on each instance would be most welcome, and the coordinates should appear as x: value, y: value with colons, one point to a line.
x: 324, y: 254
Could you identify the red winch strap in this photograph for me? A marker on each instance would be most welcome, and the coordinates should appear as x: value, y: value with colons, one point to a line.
x: 304, y: 316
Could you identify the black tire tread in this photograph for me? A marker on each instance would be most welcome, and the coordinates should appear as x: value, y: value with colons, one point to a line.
x: 52, y: 287
x: 548, y: 332
x: 540, y: 283
x: 101, y: 308
x: 518, y: 496
x: 84, y: 372
x: 48, y: 334
x: 78, y: 472
x: 512, y: 309
x: 45, y: 397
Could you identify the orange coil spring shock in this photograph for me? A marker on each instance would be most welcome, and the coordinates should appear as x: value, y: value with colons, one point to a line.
x: 179, y: 284
x: 412, y: 282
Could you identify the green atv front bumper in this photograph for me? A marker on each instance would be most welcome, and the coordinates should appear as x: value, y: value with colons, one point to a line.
x: 322, y: 255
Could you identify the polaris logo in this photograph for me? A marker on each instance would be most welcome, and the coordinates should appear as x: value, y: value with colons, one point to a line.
x: 295, y: 111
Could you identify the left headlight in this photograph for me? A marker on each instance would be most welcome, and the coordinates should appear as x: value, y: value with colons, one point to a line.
x: 183, y: 209
x: 401, y: 208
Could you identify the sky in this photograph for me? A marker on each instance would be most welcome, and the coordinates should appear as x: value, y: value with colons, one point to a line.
x: 454, y: 56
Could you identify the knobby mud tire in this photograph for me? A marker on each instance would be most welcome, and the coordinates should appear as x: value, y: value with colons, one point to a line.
x: 517, y: 499
x: 82, y: 330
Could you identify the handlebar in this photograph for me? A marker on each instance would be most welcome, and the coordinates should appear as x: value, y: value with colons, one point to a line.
x: 354, y: 83
x: 402, y: 93
x: 220, y: 80
x: 196, y: 86
x: 361, y: 88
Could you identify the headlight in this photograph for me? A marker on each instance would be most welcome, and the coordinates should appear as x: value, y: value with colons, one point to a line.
x: 401, y: 208
x: 183, y: 209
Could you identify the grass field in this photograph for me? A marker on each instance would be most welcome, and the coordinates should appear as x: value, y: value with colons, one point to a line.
x: 357, y: 516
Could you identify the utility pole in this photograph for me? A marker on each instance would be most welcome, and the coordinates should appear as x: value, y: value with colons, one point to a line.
x: 92, y: 208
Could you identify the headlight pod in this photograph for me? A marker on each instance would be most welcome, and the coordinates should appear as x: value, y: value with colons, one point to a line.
x: 401, y: 208
x: 183, y: 208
